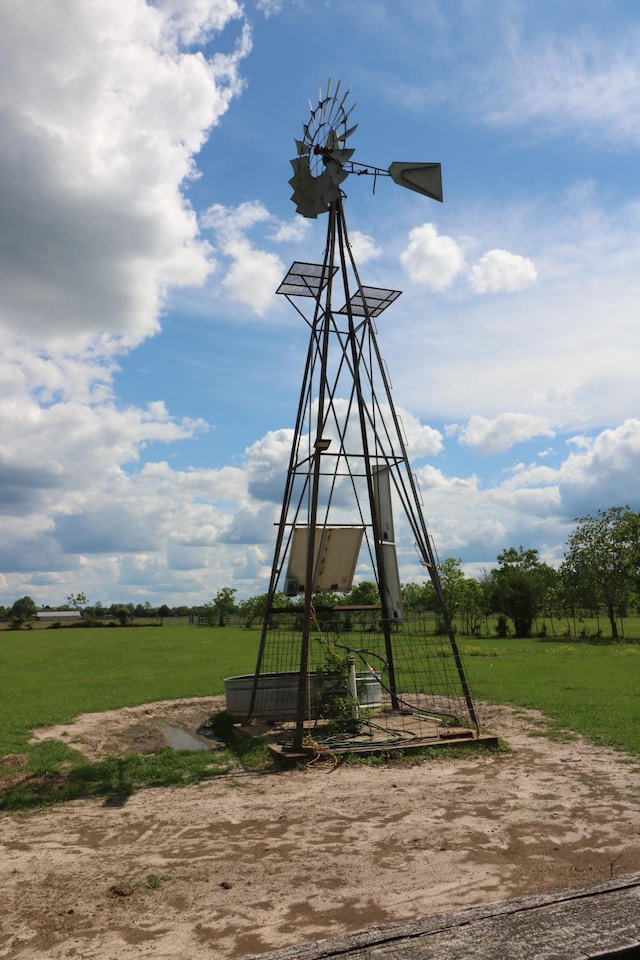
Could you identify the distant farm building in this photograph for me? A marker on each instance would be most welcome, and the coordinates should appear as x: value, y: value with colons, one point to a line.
x: 48, y: 613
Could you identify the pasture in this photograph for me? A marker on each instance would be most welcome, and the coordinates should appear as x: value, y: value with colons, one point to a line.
x: 49, y: 676
x: 205, y: 870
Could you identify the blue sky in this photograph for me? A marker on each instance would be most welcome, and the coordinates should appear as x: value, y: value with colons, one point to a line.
x: 150, y: 375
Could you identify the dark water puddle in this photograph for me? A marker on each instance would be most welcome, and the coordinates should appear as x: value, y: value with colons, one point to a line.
x: 179, y: 739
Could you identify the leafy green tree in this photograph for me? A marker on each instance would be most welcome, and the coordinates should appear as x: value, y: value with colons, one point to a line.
x: 22, y: 609
x: 78, y: 601
x: 452, y: 580
x: 473, y: 607
x: 254, y: 609
x: 221, y: 607
x: 518, y: 587
x: 554, y: 601
x: 418, y: 597
x: 549, y: 596
x: 145, y: 610
x: 602, y: 561
x: 364, y: 594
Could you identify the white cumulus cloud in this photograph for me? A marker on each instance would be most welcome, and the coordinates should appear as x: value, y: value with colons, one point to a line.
x: 602, y: 471
x: 436, y: 260
x: 253, y: 274
x: 432, y: 258
x: 494, y: 435
x: 500, y: 270
x: 363, y: 247
x: 102, y: 112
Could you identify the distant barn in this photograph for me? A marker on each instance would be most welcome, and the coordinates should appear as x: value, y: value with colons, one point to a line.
x: 48, y: 613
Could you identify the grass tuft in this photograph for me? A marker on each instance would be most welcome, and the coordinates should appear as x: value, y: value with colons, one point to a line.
x: 423, y: 754
x: 115, y: 777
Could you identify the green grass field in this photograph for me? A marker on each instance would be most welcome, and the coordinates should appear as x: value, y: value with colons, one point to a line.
x: 592, y: 688
x: 51, y: 676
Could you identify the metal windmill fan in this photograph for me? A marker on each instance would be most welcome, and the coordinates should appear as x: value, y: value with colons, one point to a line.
x: 319, y: 168
x: 328, y: 676
x: 324, y: 161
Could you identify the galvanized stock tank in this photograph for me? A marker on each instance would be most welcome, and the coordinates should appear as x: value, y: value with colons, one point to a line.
x: 277, y: 694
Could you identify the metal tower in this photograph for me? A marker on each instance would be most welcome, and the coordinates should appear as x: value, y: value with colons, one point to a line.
x: 367, y: 676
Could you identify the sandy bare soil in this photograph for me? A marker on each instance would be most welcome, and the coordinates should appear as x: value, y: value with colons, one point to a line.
x: 244, y: 864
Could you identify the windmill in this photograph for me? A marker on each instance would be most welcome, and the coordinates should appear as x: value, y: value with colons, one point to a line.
x: 366, y: 676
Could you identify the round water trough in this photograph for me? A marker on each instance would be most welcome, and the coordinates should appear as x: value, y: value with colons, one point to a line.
x: 277, y: 694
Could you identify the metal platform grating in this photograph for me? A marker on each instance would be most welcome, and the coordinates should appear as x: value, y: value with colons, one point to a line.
x: 306, y: 279
x: 370, y: 301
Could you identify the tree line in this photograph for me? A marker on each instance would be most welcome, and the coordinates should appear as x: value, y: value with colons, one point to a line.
x: 599, y: 577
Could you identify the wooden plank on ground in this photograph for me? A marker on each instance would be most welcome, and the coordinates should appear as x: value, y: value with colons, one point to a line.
x: 570, y: 924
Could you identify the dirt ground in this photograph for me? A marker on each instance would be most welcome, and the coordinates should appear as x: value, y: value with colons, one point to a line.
x: 246, y: 863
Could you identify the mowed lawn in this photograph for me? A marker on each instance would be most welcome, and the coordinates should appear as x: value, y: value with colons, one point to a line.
x: 590, y: 687
x: 50, y: 676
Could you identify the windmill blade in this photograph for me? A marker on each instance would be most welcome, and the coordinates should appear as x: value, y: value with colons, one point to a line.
x: 322, y: 144
x: 343, y: 100
x: 341, y: 156
x: 332, y: 142
x: 350, y: 111
x: 326, y: 107
x: 299, y: 164
x: 336, y: 172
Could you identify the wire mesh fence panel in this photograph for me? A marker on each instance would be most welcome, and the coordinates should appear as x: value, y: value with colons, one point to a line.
x: 364, y: 684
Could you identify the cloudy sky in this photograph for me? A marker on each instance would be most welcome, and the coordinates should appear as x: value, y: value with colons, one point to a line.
x: 149, y: 375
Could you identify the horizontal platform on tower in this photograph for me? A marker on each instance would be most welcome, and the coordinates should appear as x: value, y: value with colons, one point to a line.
x: 306, y: 279
x: 370, y: 301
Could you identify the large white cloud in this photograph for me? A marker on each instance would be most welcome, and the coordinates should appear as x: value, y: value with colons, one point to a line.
x: 104, y: 107
x: 602, y: 471
x: 102, y: 112
x: 63, y: 438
